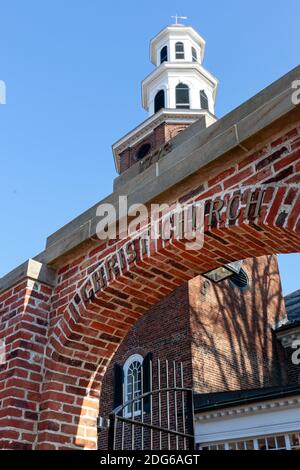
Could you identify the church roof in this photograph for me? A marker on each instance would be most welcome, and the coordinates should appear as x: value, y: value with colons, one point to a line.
x: 292, y: 304
x: 217, y: 400
x: 292, y: 308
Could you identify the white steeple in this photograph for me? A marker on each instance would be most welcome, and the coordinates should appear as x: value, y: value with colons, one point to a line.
x: 179, y: 92
x: 179, y: 80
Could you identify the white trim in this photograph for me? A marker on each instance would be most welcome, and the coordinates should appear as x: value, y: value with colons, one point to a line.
x: 234, y: 443
x: 130, y: 360
x: 180, y: 116
x: 248, y: 433
x: 287, y: 337
x: 248, y: 409
x: 257, y: 419
x: 287, y: 442
x: 180, y: 68
x: 177, y: 32
x: 185, y: 115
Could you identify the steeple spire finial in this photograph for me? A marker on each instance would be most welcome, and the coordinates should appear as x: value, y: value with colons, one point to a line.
x: 177, y: 17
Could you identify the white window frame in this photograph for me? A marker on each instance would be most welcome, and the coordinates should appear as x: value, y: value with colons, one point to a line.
x: 183, y: 105
x: 255, y: 440
x: 129, y: 361
x: 180, y: 52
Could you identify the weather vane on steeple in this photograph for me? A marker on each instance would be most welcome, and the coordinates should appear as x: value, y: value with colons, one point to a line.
x: 177, y: 17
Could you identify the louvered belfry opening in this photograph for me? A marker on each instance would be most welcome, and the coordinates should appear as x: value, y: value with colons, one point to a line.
x: 182, y: 96
x: 203, y: 100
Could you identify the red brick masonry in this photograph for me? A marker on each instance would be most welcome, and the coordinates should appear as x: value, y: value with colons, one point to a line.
x: 223, y: 335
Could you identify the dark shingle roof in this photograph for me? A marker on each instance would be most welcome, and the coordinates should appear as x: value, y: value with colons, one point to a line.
x: 211, y: 401
x: 292, y: 304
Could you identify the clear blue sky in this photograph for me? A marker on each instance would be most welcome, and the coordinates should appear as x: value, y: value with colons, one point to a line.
x: 73, y: 70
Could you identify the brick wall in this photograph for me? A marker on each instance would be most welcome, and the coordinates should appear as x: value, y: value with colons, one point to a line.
x: 222, y: 335
x: 164, y: 331
x: 233, y: 345
x: 24, y: 321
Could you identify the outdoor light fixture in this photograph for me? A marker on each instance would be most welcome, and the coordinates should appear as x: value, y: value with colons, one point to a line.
x: 224, y: 272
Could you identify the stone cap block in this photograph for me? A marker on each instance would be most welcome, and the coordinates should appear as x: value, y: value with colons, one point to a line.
x: 31, y: 269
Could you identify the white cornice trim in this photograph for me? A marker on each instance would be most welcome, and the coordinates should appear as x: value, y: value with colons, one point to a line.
x: 287, y: 337
x: 249, y: 421
x: 249, y: 409
x: 245, y: 433
x: 177, y: 67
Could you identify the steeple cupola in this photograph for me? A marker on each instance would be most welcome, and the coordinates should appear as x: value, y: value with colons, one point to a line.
x: 175, y: 94
x: 179, y: 80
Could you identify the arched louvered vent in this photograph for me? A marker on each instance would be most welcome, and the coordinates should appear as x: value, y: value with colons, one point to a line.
x: 240, y: 280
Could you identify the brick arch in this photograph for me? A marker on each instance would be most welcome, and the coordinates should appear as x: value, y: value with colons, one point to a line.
x: 89, y: 331
x: 275, y: 230
x: 111, y: 313
x: 173, y: 132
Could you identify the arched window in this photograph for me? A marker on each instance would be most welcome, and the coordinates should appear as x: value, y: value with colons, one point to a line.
x: 130, y: 381
x: 194, y: 55
x: 159, y: 100
x: 179, y: 50
x: 164, y: 54
x: 143, y: 151
x: 133, y: 383
x: 182, y: 96
x: 203, y: 100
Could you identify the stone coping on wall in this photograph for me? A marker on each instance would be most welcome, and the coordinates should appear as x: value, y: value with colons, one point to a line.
x: 203, y: 146
x: 196, y: 150
x: 31, y: 269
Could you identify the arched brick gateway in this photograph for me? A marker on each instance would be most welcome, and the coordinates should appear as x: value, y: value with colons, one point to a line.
x: 90, y: 331
x: 59, y: 343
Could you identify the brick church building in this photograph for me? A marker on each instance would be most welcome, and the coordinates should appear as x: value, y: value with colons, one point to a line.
x: 84, y: 322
